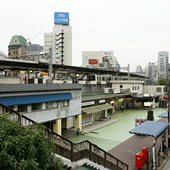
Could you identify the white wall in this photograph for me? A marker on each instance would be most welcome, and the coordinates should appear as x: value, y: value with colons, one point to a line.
x: 153, y: 90
x: 134, y: 86
x: 9, y: 80
x: 67, y: 30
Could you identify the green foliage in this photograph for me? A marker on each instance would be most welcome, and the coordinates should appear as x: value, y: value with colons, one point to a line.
x: 162, y: 82
x: 25, y: 148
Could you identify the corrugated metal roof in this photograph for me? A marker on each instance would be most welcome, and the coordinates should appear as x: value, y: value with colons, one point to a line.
x: 20, y: 100
x: 21, y: 88
x: 164, y: 115
x: 150, y: 128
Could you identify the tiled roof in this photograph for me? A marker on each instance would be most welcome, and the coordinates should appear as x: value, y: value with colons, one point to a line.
x: 18, y: 40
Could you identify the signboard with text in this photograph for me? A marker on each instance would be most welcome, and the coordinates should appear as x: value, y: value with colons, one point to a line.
x: 93, y: 61
x: 61, y: 18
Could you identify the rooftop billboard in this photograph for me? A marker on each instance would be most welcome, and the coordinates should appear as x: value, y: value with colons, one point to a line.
x: 61, y: 18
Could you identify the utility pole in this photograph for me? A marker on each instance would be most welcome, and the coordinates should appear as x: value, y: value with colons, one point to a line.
x: 50, y: 66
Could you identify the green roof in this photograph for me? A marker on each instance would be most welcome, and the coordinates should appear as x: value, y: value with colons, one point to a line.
x: 18, y: 40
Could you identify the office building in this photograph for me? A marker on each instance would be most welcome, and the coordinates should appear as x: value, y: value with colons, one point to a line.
x: 60, y: 40
x: 99, y: 59
x: 163, y: 64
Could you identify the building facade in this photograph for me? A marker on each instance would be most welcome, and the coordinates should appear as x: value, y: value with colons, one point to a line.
x: 163, y: 64
x: 152, y: 72
x: 56, y: 106
x: 60, y: 40
x: 99, y: 59
x: 17, y: 47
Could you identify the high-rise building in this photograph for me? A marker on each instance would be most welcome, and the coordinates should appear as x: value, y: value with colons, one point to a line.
x: 163, y: 64
x: 60, y: 40
x: 96, y: 59
x: 139, y: 69
x: 152, y: 72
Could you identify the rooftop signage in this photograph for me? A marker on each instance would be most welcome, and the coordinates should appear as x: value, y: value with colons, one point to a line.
x: 61, y: 18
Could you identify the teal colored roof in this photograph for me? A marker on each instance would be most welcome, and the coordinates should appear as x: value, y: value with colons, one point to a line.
x: 18, y: 40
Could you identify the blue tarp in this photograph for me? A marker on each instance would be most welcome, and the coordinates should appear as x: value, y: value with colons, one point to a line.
x: 150, y: 128
x: 30, y: 99
x: 164, y: 115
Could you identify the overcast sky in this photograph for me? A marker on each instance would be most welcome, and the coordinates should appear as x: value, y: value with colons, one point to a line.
x: 134, y: 29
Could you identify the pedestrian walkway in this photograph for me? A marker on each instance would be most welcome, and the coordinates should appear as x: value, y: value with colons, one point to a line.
x: 99, y: 124
x: 166, y: 164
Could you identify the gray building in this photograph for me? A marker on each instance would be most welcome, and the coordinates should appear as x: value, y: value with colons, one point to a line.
x: 152, y: 72
x: 163, y: 64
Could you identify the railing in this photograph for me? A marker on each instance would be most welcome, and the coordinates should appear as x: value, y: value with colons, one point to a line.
x: 70, y: 150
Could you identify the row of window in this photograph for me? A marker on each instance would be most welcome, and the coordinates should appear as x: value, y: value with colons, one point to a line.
x: 48, y: 105
x: 133, y: 87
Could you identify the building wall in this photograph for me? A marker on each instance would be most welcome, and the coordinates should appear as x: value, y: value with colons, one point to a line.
x: 52, y: 40
x: 134, y: 86
x: 9, y: 80
x: 155, y: 90
x: 48, y: 42
x: 103, y: 59
x: 67, y: 30
x: 163, y: 64
x: 17, y: 52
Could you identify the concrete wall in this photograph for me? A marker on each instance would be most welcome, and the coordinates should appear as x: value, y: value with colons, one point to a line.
x: 134, y: 86
x: 10, y: 80
x: 153, y: 90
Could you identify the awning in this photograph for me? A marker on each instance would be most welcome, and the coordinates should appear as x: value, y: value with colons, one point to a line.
x: 89, y: 110
x: 150, y: 128
x: 98, y: 108
x: 30, y: 99
x: 164, y: 115
x: 42, y: 116
x: 104, y: 106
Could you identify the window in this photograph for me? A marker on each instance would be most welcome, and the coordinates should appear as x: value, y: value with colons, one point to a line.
x: 55, y: 104
x: 65, y: 103
x: 22, y: 108
x: 49, y: 105
x: 133, y: 88
x: 158, y: 89
x: 36, y: 106
x: 121, y: 86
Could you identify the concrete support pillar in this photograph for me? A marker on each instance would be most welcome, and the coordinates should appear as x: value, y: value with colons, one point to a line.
x: 15, y: 107
x: 153, y: 103
x: 43, y: 106
x: 105, y: 113
x: 57, y: 127
x: 1, y: 110
x: 78, y: 122
x: 29, y: 108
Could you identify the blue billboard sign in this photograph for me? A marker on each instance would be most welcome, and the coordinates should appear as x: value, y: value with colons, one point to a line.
x: 61, y: 18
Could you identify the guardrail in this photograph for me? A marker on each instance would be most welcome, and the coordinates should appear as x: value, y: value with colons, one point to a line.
x: 70, y: 150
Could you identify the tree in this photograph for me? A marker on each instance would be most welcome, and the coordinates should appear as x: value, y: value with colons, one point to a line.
x: 25, y: 148
x: 162, y: 82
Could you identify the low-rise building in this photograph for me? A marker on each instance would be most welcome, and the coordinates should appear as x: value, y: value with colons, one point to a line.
x: 56, y: 106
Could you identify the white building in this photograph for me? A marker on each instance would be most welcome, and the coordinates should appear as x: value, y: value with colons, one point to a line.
x: 60, y: 40
x: 96, y: 59
x: 152, y: 72
x: 163, y: 64
x: 133, y: 86
x: 139, y: 69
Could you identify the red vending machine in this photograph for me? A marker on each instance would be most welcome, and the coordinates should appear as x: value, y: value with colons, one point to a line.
x: 139, y: 160
x: 145, y: 151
